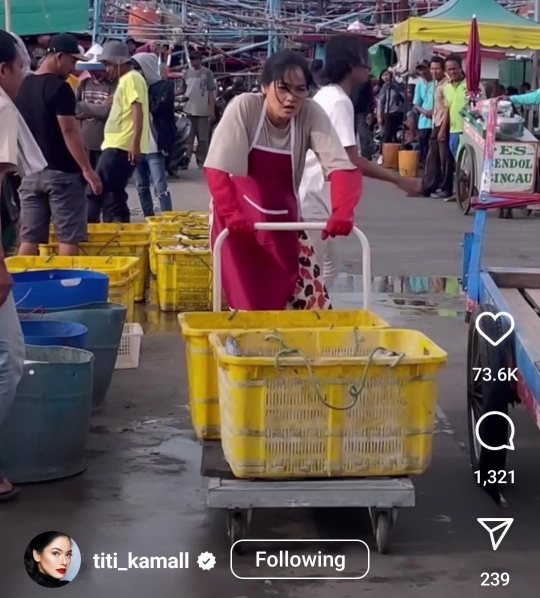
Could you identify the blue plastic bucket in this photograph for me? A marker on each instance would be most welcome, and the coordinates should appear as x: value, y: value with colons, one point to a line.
x: 52, y: 333
x: 53, y: 289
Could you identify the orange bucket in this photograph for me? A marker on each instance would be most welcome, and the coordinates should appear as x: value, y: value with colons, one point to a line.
x: 390, y: 153
x: 408, y: 163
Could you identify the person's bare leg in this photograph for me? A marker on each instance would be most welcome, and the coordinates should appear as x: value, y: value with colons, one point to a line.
x: 68, y: 249
x: 28, y: 248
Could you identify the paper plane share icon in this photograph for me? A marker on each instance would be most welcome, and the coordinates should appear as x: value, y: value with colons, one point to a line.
x: 496, y: 526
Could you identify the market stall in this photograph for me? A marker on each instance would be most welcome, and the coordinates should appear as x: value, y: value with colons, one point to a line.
x: 449, y: 24
x: 516, y: 161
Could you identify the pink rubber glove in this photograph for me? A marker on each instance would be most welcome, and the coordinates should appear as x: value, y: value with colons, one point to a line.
x: 225, y: 202
x: 345, y: 192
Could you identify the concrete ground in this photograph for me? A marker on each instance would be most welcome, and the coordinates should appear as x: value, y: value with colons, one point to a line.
x: 142, y: 491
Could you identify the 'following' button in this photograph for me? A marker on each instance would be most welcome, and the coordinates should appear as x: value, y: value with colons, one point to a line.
x: 300, y: 559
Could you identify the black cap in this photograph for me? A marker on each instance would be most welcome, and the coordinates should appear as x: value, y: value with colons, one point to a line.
x: 423, y: 64
x: 64, y: 43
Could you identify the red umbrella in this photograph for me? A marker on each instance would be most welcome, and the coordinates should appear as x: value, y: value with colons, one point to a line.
x: 473, y: 64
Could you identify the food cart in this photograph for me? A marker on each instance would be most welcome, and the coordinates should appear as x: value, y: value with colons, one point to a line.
x: 515, y: 158
x: 498, y: 292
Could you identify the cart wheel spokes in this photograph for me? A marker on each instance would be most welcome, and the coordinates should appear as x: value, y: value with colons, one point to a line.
x: 475, y: 402
x: 466, y: 178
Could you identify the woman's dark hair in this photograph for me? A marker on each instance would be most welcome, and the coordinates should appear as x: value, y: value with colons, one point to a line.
x: 437, y: 60
x: 8, y: 47
x: 512, y: 91
x: 39, y: 543
x: 453, y: 58
x: 381, y: 81
x: 281, y: 62
x: 343, y: 53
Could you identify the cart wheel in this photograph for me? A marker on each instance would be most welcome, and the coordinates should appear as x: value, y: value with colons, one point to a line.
x: 484, y: 396
x: 237, y: 527
x: 466, y: 178
x: 383, y: 531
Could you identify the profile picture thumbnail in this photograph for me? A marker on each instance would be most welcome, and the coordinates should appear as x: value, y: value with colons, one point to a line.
x: 52, y: 559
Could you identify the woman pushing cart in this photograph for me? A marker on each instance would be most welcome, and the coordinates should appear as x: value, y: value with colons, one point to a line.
x: 254, y: 169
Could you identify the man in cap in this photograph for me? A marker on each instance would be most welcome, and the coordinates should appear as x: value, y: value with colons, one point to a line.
x: 201, y: 105
x: 126, y: 133
x: 57, y: 194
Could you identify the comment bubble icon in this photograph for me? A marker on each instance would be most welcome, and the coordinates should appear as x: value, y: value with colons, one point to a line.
x: 508, y: 445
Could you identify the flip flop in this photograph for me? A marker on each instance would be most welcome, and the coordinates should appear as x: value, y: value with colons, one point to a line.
x: 9, y: 495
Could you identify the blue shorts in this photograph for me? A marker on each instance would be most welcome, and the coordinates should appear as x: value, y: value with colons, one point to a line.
x: 454, y: 141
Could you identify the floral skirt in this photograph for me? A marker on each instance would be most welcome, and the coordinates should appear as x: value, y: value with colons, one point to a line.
x: 310, y: 292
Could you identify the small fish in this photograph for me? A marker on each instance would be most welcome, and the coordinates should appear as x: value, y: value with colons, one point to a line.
x: 232, y: 347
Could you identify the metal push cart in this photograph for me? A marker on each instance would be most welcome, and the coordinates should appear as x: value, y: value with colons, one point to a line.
x: 382, y: 495
x: 515, y: 164
x: 515, y: 291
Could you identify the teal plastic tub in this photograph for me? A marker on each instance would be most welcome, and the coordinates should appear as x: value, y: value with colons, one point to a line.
x: 45, y: 434
x: 105, y: 323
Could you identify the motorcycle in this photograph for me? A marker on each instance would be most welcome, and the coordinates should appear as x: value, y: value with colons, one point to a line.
x: 220, y: 106
x: 178, y: 159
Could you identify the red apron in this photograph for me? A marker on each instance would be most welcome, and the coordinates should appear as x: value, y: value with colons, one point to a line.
x: 260, y: 271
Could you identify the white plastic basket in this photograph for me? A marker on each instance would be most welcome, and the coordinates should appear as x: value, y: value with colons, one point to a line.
x: 130, y: 348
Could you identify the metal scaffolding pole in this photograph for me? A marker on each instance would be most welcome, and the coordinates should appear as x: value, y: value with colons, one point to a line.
x: 274, y: 10
x: 97, y: 20
x: 7, y: 12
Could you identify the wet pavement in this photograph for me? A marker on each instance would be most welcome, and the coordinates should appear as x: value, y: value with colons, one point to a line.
x: 143, y: 493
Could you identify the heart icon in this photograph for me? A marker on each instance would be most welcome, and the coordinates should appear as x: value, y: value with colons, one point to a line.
x: 495, y: 317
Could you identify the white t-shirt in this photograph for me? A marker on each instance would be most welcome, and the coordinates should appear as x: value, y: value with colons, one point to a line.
x: 314, y: 190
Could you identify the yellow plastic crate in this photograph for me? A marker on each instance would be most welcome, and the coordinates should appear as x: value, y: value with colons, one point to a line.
x: 184, y: 276
x: 124, y: 292
x: 115, y: 248
x: 123, y: 272
x: 117, y: 268
x: 171, y: 233
x: 179, y: 216
x: 201, y: 366
x: 165, y: 226
x: 115, y: 231
x: 314, y: 403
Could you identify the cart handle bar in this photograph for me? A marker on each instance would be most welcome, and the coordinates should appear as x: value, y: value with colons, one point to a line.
x: 293, y: 226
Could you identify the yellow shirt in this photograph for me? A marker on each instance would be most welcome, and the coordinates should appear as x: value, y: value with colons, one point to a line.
x: 73, y: 82
x: 455, y: 98
x: 119, y: 129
